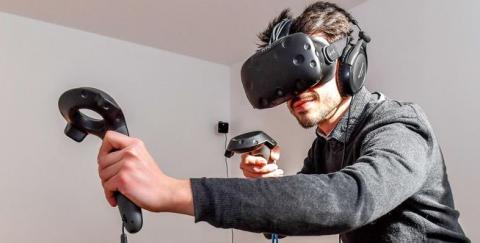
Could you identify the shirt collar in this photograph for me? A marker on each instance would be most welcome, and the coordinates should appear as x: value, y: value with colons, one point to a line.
x: 357, y: 106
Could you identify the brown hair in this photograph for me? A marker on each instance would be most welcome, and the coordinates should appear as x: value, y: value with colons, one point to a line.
x: 320, y: 17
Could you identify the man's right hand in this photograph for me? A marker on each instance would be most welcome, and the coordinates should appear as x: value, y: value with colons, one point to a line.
x: 254, y: 166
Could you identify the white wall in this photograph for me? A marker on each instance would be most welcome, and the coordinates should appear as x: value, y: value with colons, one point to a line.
x: 422, y: 51
x: 50, y: 191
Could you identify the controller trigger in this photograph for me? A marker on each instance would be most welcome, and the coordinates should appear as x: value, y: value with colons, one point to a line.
x: 75, y: 133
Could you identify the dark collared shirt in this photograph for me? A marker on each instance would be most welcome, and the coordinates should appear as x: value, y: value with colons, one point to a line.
x: 379, y: 177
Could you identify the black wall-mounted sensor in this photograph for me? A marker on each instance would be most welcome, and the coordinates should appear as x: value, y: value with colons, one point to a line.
x: 222, y: 127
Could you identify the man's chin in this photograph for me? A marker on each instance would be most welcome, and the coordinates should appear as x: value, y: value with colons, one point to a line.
x: 307, y: 124
x: 305, y: 118
x: 305, y: 121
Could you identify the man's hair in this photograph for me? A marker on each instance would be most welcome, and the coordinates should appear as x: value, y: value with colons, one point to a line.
x: 320, y: 17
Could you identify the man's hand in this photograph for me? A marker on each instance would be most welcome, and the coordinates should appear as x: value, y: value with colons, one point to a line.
x: 125, y: 165
x: 257, y: 167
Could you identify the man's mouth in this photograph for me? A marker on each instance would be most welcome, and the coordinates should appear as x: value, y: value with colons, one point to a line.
x: 302, y: 103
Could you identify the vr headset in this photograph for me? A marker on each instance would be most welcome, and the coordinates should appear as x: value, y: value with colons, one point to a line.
x: 292, y: 63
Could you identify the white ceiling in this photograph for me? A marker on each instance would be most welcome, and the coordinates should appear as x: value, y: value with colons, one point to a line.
x: 221, y: 31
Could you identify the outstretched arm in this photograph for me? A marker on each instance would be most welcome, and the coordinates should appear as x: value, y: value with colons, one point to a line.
x: 291, y: 205
x: 388, y: 171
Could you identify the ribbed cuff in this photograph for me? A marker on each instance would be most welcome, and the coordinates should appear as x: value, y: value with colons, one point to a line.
x: 201, y: 202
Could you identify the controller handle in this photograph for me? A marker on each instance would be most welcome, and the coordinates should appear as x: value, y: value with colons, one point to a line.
x: 80, y: 125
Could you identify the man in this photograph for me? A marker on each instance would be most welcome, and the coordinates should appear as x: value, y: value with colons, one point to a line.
x: 375, y: 172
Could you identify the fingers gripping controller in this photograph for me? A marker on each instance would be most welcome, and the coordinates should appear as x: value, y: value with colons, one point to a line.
x: 80, y: 125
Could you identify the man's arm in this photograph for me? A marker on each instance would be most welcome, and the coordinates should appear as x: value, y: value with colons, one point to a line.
x: 388, y: 171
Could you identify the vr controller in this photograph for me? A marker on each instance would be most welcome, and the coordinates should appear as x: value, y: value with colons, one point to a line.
x: 80, y: 125
x: 255, y: 143
x: 249, y: 142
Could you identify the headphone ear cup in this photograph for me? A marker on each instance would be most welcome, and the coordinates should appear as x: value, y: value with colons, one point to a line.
x: 353, y: 68
x: 345, y: 71
x: 358, y: 71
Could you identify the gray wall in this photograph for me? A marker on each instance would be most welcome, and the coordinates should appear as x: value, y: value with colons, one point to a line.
x: 50, y: 190
x: 422, y: 51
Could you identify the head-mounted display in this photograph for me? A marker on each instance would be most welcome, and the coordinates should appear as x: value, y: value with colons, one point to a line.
x: 287, y: 67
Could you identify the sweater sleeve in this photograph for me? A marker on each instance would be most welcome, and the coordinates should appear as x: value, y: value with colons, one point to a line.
x: 391, y: 167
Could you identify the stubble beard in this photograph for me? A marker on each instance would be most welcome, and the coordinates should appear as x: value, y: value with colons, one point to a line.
x: 322, y: 110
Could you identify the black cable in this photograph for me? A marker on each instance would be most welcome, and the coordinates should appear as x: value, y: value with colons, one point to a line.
x: 226, y: 168
x: 346, y: 132
x: 123, y: 236
x: 345, y: 144
x: 226, y: 163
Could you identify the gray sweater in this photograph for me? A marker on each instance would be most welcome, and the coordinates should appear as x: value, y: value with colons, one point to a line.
x: 392, y: 185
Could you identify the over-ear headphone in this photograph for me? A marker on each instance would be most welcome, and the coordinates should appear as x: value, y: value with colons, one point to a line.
x: 353, y: 63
